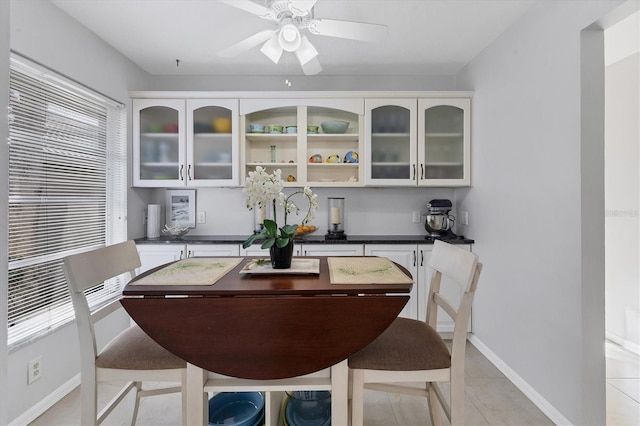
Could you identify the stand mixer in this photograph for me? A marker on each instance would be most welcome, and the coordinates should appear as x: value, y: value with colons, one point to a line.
x: 438, y: 221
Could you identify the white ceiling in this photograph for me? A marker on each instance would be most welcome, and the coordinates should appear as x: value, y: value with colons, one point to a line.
x: 425, y: 36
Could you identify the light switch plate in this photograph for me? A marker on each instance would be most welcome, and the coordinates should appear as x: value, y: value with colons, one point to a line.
x: 202, y: 217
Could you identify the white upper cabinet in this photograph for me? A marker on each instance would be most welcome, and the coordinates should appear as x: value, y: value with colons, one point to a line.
x: 390, y: 132
x: 444, y: 148
x: 203, y: 141
x: 212, y: 142
x: 178, y: 142
x: 159, y: 138
x: 304, y: 152
x: 423, y: 142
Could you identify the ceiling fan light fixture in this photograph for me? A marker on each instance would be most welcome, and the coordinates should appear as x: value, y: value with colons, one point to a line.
x: 306, y: 51
x: 289, y: 37
x: 272, y: 49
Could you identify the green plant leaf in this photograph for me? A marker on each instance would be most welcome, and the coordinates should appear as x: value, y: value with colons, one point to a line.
x: 268, y: 244
x: 249, y: 241
x: 271, y: 228
x: 282, y: 242
x: 289, y: 230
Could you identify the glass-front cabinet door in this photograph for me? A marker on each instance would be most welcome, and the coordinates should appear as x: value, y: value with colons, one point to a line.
x: 212, y: 142
x: 390, y: 135
x: 158, y: 142
x: 444, y: 142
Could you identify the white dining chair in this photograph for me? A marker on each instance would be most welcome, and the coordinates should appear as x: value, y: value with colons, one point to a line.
x: 411, y: 351
x: 132, y: 356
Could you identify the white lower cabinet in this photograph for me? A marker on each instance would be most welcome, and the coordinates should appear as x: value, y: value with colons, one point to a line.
x: 255, y: 250
x: 332, y: 249
x: 415, y: 257
x: 152, y: 255
x: 310, y: 249
x: 407, y: 256
x: 212, y: 250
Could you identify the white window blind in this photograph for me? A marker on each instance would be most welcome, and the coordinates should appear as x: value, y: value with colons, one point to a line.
x: 67, y: 192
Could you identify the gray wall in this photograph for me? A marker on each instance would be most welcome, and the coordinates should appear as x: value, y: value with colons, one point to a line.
x: 43, y: 33
x: 535, y: 304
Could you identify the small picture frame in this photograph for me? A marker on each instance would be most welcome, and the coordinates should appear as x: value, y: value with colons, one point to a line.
x: 181, y: 207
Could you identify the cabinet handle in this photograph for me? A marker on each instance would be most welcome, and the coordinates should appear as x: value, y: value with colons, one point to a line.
x: 181, y: 254
x: 421, y: 257
x: 305, y: 252
x: 182, y: 172
x: 189, y: 172
x: 415, y: 258
x: 414, y: 172
x: 189, y: 253
x: 421, y: 171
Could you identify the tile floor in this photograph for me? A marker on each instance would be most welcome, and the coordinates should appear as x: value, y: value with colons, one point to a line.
x: 623, y: 386
x: 491, y: 399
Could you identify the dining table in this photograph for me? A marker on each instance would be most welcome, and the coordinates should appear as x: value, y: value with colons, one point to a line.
x: 242, y: 325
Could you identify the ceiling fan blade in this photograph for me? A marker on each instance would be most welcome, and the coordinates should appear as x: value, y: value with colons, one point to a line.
x: 301, y: 7
x: 349, y: 29
x: 272, y: 48
x: 251, y: 7
x: 312, y: 67
x: 306, y: 51
x: 246, y: 44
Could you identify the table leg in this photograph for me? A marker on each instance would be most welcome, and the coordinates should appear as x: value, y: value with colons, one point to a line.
x: 340, y: 394
x: 197, y: 408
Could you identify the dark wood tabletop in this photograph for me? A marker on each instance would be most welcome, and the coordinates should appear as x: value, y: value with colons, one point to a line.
x: 265, y: 326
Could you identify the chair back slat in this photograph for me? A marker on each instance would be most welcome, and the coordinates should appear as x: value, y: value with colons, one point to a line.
x: 454, y: 262
x: 86, y: 270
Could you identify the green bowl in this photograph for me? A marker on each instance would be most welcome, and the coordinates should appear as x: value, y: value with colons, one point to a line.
x: 334, y: 126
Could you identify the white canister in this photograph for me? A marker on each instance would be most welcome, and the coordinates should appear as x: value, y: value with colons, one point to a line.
x: 153, y: 221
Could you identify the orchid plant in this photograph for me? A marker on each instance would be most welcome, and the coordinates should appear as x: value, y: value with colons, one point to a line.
x: 262, y: 189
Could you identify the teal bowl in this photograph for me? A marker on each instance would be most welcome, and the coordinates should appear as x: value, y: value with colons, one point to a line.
x: 334, y: 126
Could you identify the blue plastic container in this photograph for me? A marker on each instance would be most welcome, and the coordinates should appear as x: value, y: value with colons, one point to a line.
x: 236, y: 409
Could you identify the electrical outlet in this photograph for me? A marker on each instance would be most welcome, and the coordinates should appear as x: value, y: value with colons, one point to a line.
x: 202, y: 217
x: 35, y: 370
x: 416, y: 216
x: 464, y: 218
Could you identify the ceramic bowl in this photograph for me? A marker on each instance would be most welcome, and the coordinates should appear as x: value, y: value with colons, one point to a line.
x: 221, y: 125
x: 292, y: 129
x: 256, y: 128
x: 312, y: 129
x: 334, y: 126
x: 274, y: 128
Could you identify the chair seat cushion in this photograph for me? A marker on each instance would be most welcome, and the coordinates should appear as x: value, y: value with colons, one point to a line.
x: 406, y: 345
x: 133, y: 349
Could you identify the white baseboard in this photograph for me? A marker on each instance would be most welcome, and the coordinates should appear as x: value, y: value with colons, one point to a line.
x: 49, y: 401
x: 545, y: 406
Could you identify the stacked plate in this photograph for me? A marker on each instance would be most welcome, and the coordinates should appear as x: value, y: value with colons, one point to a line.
x: 237, y: 409
x: 307, y: 408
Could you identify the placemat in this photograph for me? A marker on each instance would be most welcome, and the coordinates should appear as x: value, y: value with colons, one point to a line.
x: 192, y: 271
x: 365, y: 270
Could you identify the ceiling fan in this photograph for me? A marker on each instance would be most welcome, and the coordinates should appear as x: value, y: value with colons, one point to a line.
x: 291, y: 17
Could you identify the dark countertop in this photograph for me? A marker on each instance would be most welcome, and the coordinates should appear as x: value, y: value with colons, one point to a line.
x: 311, y: 239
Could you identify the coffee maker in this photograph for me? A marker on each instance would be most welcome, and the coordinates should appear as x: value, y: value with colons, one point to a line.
x: 438, y: 220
